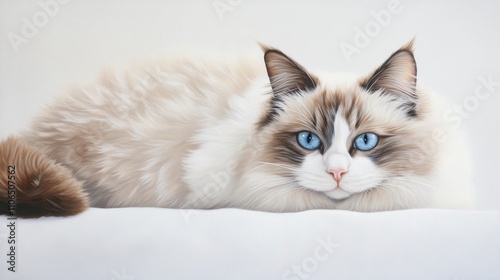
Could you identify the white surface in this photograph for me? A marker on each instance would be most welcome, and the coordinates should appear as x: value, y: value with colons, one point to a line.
x: 238, y: 244
x: 456, y: 44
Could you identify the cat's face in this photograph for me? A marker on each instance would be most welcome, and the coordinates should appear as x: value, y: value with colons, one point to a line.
x: 344, y: 138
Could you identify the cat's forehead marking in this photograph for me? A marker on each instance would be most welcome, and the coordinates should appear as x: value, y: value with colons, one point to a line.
x: 341, y: 135
x: 344, y: 102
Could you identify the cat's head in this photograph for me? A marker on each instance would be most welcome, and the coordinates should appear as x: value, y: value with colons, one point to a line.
x: 353, y: 140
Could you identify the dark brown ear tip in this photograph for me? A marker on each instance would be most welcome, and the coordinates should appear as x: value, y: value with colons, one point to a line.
x: 269, y: 49
x: 408, y: 52
x: 264, y: 47
x: 411, y: 56
x: 409, y: 47
x: 268, y: 55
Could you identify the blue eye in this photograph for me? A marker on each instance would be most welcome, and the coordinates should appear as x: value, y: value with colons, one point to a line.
x: 366, y: 141
x: 308, y: 140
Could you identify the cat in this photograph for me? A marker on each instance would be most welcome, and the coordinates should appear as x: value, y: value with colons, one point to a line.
x: 203, y: 132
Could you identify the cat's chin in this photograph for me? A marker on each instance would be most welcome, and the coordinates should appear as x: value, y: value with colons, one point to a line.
x: 338, y: 194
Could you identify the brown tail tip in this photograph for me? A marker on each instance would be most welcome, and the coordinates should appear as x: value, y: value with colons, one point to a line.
x: 32, y: 185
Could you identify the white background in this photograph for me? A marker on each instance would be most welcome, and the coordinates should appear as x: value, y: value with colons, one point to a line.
x: 457, y: 42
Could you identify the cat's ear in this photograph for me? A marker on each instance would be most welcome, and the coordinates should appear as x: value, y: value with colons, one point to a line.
x: 397, y: 76
x: 286, y: 75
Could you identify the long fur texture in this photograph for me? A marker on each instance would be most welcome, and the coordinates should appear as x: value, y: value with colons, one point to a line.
x: 213, y: 132
x: 31, y: 185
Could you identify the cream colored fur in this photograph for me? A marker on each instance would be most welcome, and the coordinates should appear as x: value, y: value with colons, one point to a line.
x: 183, y: 133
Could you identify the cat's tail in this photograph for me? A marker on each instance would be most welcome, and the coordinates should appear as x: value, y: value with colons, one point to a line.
x: 32, y: 185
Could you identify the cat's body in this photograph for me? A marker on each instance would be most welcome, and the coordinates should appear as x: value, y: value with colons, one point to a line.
x: 211, y: 133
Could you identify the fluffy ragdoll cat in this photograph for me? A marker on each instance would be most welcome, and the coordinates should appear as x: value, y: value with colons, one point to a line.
x: 236, y: 132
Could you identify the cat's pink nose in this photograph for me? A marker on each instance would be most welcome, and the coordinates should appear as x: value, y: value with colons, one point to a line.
x: 337, y: 174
